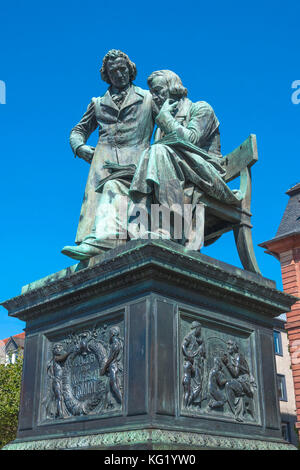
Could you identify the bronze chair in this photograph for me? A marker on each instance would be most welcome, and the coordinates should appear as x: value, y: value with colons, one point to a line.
x: 221, y: 218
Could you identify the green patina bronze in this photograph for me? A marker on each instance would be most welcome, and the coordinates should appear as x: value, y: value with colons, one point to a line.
x: 184, y: 166
x: 149, y: 347
x: 156, y: 439
x: 124, y: 118
x: 147, y: 343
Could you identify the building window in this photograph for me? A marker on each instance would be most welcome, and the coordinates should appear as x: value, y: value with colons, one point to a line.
x: 277, y: 342
x: 11, y: 357
x: 285, y: 430
x: 281, y: 387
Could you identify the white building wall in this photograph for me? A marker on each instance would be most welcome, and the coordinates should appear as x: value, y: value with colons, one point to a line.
x: 283, y: 367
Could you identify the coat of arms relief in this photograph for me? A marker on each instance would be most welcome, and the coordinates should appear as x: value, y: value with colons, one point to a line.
x: 85, y: 373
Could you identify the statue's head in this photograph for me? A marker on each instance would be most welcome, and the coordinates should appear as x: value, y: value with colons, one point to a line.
x: 165, y: 84
x: 232, y: 347
x: 114, y: 331
x: 196, y: 327
x: 58, y: 349
x: 117, y: 69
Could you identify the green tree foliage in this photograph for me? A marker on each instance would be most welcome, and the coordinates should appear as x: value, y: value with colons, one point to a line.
x: 10, y: 385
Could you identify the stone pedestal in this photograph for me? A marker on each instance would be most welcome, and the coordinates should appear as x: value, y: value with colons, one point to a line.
x: 149, y: 347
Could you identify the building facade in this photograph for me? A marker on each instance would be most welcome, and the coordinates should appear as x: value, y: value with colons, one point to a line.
x: 10, y: 348
x: 285, y: 247
x: 286, y: 393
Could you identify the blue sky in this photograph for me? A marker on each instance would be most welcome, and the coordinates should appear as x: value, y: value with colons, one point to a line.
x: 241, y: 57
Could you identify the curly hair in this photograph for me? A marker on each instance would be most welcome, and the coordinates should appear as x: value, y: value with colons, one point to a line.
x: 114, y: 54
x: 173, y: 81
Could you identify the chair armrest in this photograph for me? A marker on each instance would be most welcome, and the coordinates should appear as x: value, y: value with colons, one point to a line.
x: 242, y: 157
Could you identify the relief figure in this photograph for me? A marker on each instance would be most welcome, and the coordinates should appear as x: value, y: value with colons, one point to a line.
x: 240, y: 389
x: 216, y: 382
x: 113, y: 365
x: 55, y: 406
x: 193, y: 350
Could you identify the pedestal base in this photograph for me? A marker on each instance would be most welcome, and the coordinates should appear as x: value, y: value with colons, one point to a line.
x: 149, y: 439
x: 149, y: 347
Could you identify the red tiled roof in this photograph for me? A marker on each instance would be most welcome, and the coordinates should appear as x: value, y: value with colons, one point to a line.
x: 19, y: 336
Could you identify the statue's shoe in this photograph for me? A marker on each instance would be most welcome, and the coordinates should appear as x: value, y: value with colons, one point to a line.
x: 82, y: 251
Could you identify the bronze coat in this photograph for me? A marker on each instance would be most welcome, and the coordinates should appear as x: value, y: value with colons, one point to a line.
x: 123, y: 136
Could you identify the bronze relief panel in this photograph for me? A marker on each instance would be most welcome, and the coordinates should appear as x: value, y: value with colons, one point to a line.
x: 218, y: 375
x: 83, y: 372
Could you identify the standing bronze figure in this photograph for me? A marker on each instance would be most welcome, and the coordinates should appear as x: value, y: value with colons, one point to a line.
x: 124, y: 118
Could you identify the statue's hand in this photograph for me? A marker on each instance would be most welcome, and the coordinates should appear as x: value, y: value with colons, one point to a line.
x: 86, y: 152
x: 169, y: 106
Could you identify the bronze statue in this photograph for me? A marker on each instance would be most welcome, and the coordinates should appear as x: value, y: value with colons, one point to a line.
x: 124, y: 118
x: 183, y: 168
x: 185, y: 161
